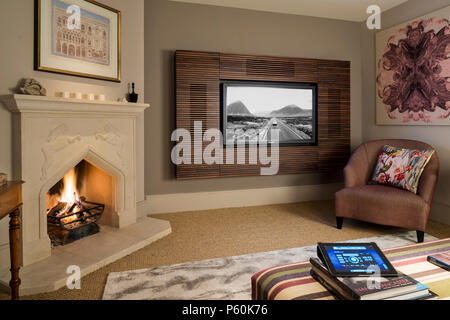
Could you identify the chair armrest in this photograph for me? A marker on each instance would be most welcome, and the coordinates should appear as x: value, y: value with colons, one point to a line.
x: 427, y: 187
x: 357, y: 170
x: 429, y: 179
x: 352, y: 177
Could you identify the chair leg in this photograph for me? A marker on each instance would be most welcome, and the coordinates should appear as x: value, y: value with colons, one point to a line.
x: 339, y: 222
x: 420, y: 236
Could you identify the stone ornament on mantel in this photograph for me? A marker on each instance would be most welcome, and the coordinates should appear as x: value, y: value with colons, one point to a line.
x: 32, y: 87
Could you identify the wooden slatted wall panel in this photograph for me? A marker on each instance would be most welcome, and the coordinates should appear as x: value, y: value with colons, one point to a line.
x: 199, y: 70
x: 334, y: 114
x: 197, y: 99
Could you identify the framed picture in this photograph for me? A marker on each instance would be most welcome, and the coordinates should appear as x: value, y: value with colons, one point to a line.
x: 79, y: 38
x: 413, y: 72
x: 251, y: 109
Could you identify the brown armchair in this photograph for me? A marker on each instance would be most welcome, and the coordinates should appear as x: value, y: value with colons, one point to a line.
x: 383, y: 204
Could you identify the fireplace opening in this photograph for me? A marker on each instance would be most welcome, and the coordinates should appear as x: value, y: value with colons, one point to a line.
x: 78, y: 203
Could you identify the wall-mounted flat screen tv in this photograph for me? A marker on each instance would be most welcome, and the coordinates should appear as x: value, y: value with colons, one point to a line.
x: 250, y: 109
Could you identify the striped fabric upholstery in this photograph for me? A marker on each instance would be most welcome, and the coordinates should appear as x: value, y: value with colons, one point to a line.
x: 293, y: 281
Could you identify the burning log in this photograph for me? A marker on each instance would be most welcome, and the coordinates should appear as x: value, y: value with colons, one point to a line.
x: 71, y: 220
x: 56, y: 210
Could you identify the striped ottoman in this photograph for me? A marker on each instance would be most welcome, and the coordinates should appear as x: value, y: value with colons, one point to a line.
x: 293, y: 281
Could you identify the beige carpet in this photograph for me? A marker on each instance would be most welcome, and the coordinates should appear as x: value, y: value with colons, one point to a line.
x: 228, y: 232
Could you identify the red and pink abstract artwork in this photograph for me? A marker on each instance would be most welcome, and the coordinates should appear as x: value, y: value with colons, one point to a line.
x: 413, y: 80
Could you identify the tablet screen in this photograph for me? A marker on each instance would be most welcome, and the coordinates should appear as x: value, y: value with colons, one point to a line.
x: 355, y: 259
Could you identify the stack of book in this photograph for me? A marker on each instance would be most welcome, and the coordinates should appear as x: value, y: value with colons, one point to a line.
x: 402, y: 287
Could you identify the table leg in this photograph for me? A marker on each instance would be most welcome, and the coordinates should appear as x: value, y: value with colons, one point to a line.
x: 15, y: 243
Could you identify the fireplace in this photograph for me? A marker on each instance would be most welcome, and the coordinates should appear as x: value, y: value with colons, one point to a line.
x: 51, y: 137
x: 71, y: 213
x: 97, y: 148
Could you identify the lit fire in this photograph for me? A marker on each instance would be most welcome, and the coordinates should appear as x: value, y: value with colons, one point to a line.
x: 69, y: 215
x: 70, y: 197
x: 70, y: 194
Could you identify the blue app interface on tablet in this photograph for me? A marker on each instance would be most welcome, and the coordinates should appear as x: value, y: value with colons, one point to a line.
x: 355, y: 258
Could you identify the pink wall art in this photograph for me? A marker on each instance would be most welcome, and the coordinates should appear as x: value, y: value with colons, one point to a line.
x: 413, y: 72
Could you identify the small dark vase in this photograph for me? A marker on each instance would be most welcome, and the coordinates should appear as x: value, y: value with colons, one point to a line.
x: 133, y: 96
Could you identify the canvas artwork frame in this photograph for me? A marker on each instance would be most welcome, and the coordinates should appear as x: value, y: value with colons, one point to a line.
x: 413, y: 72
x: 79, y: 38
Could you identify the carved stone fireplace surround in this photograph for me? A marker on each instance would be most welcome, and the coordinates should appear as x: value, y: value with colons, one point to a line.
x: 51, y: 136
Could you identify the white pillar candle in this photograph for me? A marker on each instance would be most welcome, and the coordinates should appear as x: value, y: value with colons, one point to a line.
x: 78, y: 95
x: 91, y: 96
x: 66, y: 95
x: 101, y: 97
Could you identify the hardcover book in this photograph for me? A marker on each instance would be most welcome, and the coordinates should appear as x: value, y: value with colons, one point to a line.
x: 369, y: 288
x: 441, y: 260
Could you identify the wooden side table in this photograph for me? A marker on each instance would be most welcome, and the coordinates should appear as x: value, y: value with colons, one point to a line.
x: 10, y: 204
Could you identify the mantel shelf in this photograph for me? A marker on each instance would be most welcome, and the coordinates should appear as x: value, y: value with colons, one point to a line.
x: 19, y: 103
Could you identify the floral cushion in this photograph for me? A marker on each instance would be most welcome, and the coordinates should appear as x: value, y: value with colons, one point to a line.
x: 401, y: 168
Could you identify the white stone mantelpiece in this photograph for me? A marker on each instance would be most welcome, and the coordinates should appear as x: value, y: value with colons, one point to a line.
x: 51, y: 136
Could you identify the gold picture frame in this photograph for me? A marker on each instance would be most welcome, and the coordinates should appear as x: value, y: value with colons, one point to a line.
x: 79, y: 38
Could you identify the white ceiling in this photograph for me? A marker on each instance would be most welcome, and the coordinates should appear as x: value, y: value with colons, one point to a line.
x: 350, y: 10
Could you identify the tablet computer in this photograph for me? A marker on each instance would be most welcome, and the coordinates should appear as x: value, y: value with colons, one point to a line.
x: 355, y: 260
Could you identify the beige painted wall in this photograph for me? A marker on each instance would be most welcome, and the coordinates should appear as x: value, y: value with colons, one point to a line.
x: 16, y: 52
x: 437, y: 136
x: 171, y: 25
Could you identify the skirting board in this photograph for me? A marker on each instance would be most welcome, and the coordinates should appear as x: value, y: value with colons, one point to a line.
x: 183, y: 202
x: 440, y: 212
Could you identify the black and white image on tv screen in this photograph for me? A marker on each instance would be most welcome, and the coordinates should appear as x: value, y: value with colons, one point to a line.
x: 252, y: 111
